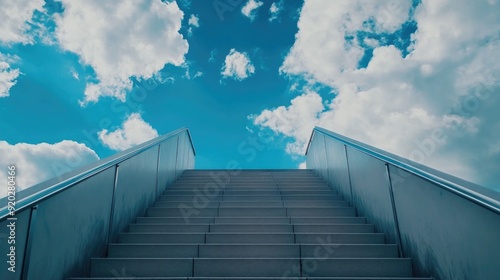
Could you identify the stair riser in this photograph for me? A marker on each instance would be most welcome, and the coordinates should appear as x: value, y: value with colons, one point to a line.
x: 141, y: 267
x: 252, y: 251
x: 257, y: 198
x: 280, y: 228
x: 243, y: 268
x: 187, y: 212
x: 356, y: 268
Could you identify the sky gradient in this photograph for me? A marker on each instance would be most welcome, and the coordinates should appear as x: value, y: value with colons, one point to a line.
x: 250, y: 79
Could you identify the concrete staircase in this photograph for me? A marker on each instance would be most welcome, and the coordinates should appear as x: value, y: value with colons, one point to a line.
x: 262, y: 224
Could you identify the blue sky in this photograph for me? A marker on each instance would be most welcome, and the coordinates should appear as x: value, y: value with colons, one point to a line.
x: 81, y: 81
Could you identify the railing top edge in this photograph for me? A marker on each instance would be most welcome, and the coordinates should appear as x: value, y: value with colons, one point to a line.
x: 51, y: 187
x: 458, y: 186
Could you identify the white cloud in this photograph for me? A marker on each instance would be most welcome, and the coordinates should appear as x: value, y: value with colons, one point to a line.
x: 275, y: 10
x: 198, y: 74
x: 250, y: 8
x: 36, y: 163
x: 8, y: 75
x: 75, y: 74
x: 303, y: 165
x: 448, y: 84
x: 296, y: 120
x: 133, y: 131
x: 194, y: 21
x: 121, y: 39
x: 237, y: 66
x: 17, y: 20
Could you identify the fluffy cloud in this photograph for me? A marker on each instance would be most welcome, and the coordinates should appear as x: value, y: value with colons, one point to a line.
x: 133, y: 131
x: 296, y: 120
x: 121, y: 39
x: 38, y: 162
x: 237, y: 66
x: 17, y: 20
x: 250, y: 8
x: 8, y: 75
x: 193, y: 22
x: 275, y: 10
x: 435, y: 104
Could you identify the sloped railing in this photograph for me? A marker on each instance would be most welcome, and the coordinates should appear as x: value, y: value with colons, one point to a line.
x: 59, y: 224
x: 448, y: 226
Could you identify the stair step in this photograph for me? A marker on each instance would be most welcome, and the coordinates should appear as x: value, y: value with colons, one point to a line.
x: 249, y: 251
x: 321, y: 212
x: 268, y: 228
x: 181, y: 212
x: 339, y: 228
x: 152, y: 250
x: 357, y: 267
x: 249, y: 238
x: 226, y: 267
x: 319, y: 251
x: 328, y: 220
x: 252, y: 220
x: 252, y: 212
x: 162, y: 220
x: 181, y: 228
x: 317, y: 203
x: 253, y: 278
x: 188, y: 210
x: 142, y: 267
x: 251, y: 203
x: 213, y: 204
x: 339, y: 238
x: 162, y: 203
x: 322, y: 251
x: 166, y: 238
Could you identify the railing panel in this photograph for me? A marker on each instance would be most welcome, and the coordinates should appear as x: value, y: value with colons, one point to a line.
x: 182, y: 158
x: 70, y: 228
x: 135, y: 189
x: 316, y: 158
x: 190, y: 158
x: 446, y: 235
x: 168, y: 153
x: 370, y: 191
x: 20, y: 232
x: 338, y: 171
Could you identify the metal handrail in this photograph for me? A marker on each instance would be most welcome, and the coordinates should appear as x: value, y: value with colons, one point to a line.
x: 67, y: 183
x: 412, y: 167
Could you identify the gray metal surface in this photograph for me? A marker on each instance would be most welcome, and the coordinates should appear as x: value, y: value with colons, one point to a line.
x: 448, y: 226
x: 370, y: 191
x: 79, y: 212
x: 253, y: 240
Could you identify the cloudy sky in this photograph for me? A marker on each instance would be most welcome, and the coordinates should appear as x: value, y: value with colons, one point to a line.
x: 81, y: 80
